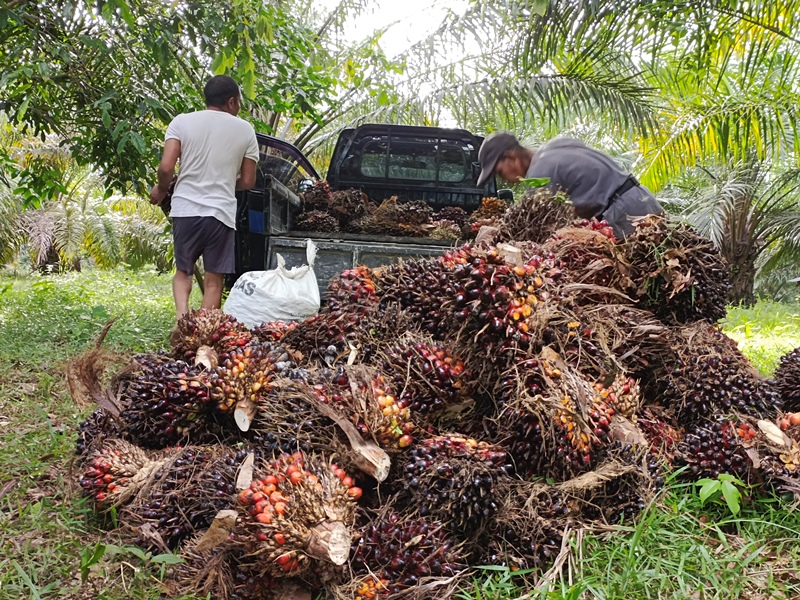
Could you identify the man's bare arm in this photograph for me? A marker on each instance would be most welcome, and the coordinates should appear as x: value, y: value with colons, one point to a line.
x: 247, y: 175
x: 166, y: 170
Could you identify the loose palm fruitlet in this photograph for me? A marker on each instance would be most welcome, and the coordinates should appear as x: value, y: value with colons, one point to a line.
x: 272, y: 332
x: 114, y: 472
x: 318, y: 197
x: 717, y: 447
x: 429, y: 376
x: 208, y: 327
x: 676, y: 273
x: 98, y: 426
x: 708, y: 375
x: 534, y: 217
x: 164, y: 402
x: 401, y: 552
x: 452, y: 478
x: 543, y: 424
x: 454, y: 214
x: 297, y: 511
x: 317, y: 220
x: 787, y: 380
x: 353, y: 287
x: 243, y: 377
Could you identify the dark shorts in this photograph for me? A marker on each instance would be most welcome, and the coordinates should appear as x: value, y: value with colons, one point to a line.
x: 203, y: 236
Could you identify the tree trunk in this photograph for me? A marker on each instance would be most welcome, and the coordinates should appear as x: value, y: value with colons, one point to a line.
x: 743, y: 278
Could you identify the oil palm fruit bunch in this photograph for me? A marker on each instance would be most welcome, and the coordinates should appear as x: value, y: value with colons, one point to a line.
x: 526, y: 544
x: 98, y: 426
x: 186, y: 492
x: 535, y: 216
x: 662, y: 436
x: 272, y: 332
x: 445, y: 230
x: 317, y: 220
x: 297, y: 511
x: 393, y: 426
x: 402, y: 551
x: 452, y: 479
x: 318, y: 197
x: 552, y: 426
x: 114, y: 472
x: 622, y: 394
x: 414, y: 213
x: 244, y: 376
x: 164, y: 402
x: 708, y: 375
x: 208, y: 327
x: 454, y: 214
x: 491, y: 209
x: 429, y: 375
x: 348, y: 206
x: 676, y: 273
x: 716, y: 447
x: 787, y: 380
x: 349, y: 289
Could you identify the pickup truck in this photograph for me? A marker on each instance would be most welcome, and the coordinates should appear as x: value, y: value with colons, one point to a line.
x: 436, y: 165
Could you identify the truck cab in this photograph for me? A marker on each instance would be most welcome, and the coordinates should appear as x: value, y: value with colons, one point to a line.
x: 436, y: 165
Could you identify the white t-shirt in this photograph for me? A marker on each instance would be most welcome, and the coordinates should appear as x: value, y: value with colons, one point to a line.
x: 213, y: 144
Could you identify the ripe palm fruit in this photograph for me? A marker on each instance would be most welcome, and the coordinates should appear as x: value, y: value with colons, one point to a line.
x: 349, y: 289
x: 676, y: 273
x: 316, y: 220
x: 96, y: 428
x: 708, y: 375
x: 452, y: 479
x: 429, y: 375
x: 114, y: 473
x: 318, y: 197
x: 717, y: 447
x: 187, y: 490
x: 208, y: 327
x: 164, y: 402
x: 491, y: 209
x: 454, y: 214
x: 787, y: 380
x: 272, y: 332
x: 403, y: 551
x: 296, y: 512
x: 242, y: 377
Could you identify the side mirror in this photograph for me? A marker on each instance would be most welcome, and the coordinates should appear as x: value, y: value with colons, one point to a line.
x: 305, y: 185
x: 506, y: 195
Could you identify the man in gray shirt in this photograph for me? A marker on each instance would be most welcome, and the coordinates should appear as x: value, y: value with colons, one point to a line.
x: 595, y: 183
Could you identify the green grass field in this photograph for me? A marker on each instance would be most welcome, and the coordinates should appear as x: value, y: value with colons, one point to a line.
x: 49, y: 542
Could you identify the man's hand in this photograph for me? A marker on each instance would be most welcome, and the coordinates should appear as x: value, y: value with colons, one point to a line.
x: 157, y: 195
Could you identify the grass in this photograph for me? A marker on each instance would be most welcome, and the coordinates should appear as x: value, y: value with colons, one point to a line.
x: 51, y: 547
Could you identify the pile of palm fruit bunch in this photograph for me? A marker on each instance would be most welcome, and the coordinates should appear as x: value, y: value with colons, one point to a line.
x: 438, y: 414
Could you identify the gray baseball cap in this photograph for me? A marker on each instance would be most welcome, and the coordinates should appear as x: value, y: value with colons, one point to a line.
x: 492, y: 148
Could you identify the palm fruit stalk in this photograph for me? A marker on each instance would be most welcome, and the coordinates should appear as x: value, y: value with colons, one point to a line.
x: 716, y: 447
x: 184, y: 494
x: 318, y: 197
x: 114, y: 473
x: 676, y: 273
x: 164, y: 402
x: 403, y: 551
x: 704, y: 374
x: 552, y: 421
x: 297, y: 514
x: 453, y: 479
x: 96, y: 428
x: 787, y: 380
x: 778, y: 448
x: 535, y: 216
x: 316, y: 220
x: 429, y: 377
x: 208, y: 327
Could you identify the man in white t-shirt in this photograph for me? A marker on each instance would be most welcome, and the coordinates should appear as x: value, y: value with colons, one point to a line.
x: 218, y: 153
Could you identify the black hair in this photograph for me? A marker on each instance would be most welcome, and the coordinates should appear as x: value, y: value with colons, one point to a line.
x: 219, y: 89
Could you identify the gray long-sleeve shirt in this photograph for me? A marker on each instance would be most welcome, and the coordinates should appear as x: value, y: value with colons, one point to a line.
x: 590, y: 179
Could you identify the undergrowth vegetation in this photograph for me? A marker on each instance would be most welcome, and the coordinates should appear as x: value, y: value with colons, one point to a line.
x: 683, y: 546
